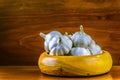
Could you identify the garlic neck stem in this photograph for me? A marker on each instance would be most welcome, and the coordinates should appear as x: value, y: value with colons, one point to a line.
x: 81, y: 29
x: 42, y: 35
x: 66, y: 33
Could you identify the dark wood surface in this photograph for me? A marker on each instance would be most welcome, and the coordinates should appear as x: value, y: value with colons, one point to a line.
x: 22, y: 20
x: 33, y: 73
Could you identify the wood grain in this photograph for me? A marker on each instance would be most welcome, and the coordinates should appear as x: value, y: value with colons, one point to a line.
x: 21, y: 21
x: 33, y: 73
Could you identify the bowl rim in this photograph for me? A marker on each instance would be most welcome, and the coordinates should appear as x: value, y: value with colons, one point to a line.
x: 103, y: 53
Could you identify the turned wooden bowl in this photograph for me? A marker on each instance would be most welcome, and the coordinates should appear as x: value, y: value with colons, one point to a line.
x: 75, y: 65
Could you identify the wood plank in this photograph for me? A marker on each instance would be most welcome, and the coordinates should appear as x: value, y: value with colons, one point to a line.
x: 21, y: 21
x: 33, y: 73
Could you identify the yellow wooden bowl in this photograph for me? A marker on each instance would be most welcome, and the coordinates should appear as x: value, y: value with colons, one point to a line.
x: 75, y: 65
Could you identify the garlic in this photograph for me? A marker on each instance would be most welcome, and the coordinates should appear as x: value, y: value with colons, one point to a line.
x: 78, y: 44
x: 53, y: 42
x: 84, y: 43
x: 60, y: 46
x: 48, y: 38
x: 56, y: 43
x: 94, y: 48
x: 81, y: 39
x: 78, y: 51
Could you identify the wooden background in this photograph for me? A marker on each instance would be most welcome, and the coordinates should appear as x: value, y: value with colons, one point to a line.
x: 22, y: 20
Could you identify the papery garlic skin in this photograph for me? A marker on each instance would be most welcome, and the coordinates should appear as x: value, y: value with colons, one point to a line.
x: 81, y: 39
x: 59, y: 50
x: 53, y: 42
x: 56, y: 43
x: 78, y: 51
x: 66, y: 40
x: 60, y: 47
x: 48, y: 37
x: 78, y: 44
x: 95, y: 49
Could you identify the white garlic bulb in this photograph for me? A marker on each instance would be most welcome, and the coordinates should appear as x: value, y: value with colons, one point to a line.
x: 56, y: 43
x: 78, y: 51
x: 94, y: 48
x: 78, y: 44
x: 81, y: 39
x: 60, y: 46
x: 48, y: 37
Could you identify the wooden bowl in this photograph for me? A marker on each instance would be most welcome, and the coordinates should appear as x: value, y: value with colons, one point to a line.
x: 75, y: 65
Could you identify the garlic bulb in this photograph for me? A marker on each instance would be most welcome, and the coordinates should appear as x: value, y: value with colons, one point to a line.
x: 81, y: 39
x: 56, y: 43
x: 48, y: 38
x: 94, y: 48
x: 60, y: 46
x: 78, y: 51
x: 78, y: 44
